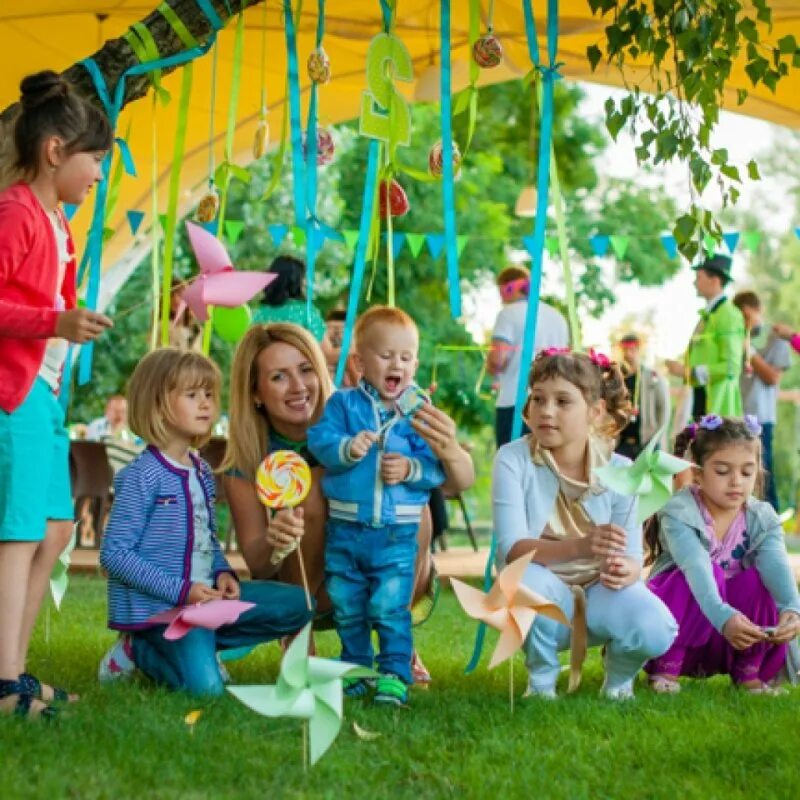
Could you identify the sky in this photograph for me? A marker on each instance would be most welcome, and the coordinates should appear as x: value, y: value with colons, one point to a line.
x: 669, y: 311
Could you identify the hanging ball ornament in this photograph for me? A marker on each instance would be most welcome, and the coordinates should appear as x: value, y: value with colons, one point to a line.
x: 261, y: 139
x: 325, y: 147
x: 487, y: 51
x: 319, y: 66
x: 208, y: 206
x: 436, y: 160
x: 391, y: 195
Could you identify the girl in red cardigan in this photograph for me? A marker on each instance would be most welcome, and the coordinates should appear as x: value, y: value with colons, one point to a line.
x: 60, y: 141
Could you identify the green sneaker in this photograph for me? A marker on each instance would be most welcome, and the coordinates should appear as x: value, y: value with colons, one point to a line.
x: 355, y: 687
x: 391, y: 690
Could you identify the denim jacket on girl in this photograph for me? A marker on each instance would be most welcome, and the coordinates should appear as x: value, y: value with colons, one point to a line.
x: 685, y: 546
x: 147, y: 545
x: 354, y: 488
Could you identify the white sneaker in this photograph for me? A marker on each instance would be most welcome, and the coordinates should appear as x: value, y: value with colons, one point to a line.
x: 622, y: 692
x: 545, y: 694
x: 117, y: 663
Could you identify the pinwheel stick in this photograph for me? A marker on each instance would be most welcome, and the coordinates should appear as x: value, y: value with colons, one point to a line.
x: 511, y: 683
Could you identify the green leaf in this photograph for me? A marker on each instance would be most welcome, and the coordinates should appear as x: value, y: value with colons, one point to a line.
x: 748, y: 29
x: 752, y: 171
x: 787, y: 44
x: 730, y: 171
x: 684, y: 229
x: 719, y: 156
x: 615, y: 122
x: 594, y: 54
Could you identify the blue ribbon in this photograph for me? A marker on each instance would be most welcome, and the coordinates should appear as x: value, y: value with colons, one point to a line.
x: 549, y: 76
x: 125, y: 155
x: 448, y: 185
x: 94, y: 249
x: 361, y: 257
x: 298, y: 177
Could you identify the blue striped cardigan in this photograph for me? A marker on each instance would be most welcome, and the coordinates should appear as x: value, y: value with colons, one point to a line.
x: 147, y: 546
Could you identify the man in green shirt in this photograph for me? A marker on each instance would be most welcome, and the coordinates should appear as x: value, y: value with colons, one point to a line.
x: 714, y: 358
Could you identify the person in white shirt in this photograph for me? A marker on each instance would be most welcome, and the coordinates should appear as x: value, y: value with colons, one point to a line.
x: 503, y: 360
x: 112, y: 423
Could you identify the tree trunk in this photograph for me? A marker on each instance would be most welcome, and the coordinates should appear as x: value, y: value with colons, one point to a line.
x: 116, y: 55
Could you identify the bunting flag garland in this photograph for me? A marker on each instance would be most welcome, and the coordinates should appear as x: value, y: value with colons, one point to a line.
x: 278, y: 233
x: 435, y: 244
x: 351, y: 239
x: 619, y: 244
x: 797, y: 232
x: 415, y: 242
x: 599, y: 244
x: 670, y: 245
x: 731, y: 240
x: 752, y: 239
x: 233, y: 230
x: 135, y: 220
x: 69, y: 210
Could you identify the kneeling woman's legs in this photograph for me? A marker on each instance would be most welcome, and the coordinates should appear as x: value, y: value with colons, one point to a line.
x: 634, y: 625
x: 546, y: 636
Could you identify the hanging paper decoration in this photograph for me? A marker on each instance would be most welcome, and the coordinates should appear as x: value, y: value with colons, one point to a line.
x: 231, y: 324
x: 619, y: 244
x: 599, y: 244
x: 318, y: 66
x: 233, y: 230
x: 350, y: 239
x: 69, y: 210
x: 208, y: 206
x: 278, y: 233
x: 752, y: 239
x: 261, y: 139
x: 325, y: 147
x: 415, y: 242
x: 670, y: 245
x: 436, y: 160
x: 394, y: 196
x: 218, y: 283
x: 487, y: 51
x: 134, y: 220
x: 731, y: 240
x: 435, y: 244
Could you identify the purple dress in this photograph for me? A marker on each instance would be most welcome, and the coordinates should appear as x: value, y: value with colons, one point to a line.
x: 699, y: 649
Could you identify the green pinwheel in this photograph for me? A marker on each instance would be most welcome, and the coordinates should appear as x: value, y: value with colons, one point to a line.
x: 59, y: 577
x: 308, y: 688
x: 648, y: 478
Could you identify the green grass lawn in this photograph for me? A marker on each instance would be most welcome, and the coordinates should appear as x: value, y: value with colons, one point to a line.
x: 458, y: 738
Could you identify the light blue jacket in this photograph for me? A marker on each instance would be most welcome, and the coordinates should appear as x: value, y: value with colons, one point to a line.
x: 354, y: 488
x: 685, y: 546
x: 524, y: 495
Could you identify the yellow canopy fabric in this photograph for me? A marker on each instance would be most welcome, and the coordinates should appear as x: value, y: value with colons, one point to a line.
x: 40, y: 34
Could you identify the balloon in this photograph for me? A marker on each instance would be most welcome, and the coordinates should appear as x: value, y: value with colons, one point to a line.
x: 231, y: 324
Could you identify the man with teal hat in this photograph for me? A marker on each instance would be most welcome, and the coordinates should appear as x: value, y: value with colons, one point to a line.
x: 714, y: 359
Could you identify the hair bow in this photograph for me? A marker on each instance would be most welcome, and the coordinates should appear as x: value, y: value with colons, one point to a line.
x: 599, y: 359
x: 508, y: 290
x: 752, y: 424
x: 710, y: 422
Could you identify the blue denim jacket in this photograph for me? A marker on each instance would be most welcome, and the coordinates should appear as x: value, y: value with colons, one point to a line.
x: 354, y: 488
x: 685, y: 546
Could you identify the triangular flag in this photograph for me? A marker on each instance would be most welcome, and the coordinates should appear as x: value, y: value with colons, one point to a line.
x: 710, y: 243
x: 731, y: 240
x: 212, y: 227
x: 599, y: 244
x: 619, y: 244
x: 135, y: 220
x: 350, y: 239
x: 398, y: 240
x: 670, y: 245
x: 162, y: 219
x: 461, y: 243
x: 435, y: 244
x: 233, y: 230
x: 278, y: 233
x: 69, y: 210
x: 752, y: 239
x: 797, y: 232
x: 415, y: 242
x: 551, y: 243
x: 299, y: 235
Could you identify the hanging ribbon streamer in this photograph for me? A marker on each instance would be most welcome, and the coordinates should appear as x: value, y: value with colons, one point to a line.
x: 549, y: 75
x: 314, y: 237
x: 367, y: 203
x: 294, y: 110
x: 175, y: 170
x: 448, y: 183
x: 112, y: 109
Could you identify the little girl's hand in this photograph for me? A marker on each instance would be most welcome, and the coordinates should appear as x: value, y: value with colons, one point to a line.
x: 285, y: 528
x: 228, y: 585
x: 394, y: 468
x: 361, y: 443
x: 605, y: 540
x: 618, y: 572
x: 742, y: 633
x: 200, y: 593
x: 788, y: 628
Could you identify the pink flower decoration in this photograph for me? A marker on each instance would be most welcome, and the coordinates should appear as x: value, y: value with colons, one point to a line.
x: 599, y: 359
x: 556, y: 351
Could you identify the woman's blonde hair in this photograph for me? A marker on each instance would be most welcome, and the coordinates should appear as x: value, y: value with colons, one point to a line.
x: 248, y: 431
x: 157, y: 376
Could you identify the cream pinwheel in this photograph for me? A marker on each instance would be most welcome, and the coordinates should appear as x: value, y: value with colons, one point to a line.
x: 648, y: 479
x: 308, y: 688
x: 509, y: 607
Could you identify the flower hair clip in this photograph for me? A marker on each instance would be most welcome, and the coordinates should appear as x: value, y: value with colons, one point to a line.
x: 710, y: 422
x: 508, y: 290
x: 599, y: 359
x: 556, y: 351
x: 752, y: 424
x: 691, y: 431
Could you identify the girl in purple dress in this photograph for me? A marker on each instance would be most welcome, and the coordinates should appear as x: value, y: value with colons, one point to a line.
x: 720, y: 565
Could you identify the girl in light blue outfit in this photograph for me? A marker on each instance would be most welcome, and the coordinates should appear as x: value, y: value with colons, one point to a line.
x: 587, y: 543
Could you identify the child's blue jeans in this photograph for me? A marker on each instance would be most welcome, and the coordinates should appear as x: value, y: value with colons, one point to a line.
x: 369, y: 574
x: 190, y: 663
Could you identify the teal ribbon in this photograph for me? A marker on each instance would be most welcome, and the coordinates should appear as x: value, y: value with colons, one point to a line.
x: 448, y: 184
x: 294, y: 112
x: 361, y: 256
x: 94, y: 247
x: 314, y: 238
x: 549, y: 76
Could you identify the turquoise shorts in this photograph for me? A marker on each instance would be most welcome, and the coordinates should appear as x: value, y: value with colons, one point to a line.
x: 34, y: 467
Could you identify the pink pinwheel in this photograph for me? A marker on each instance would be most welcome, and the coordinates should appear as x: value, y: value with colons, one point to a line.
x: 218, y: 284
x: 211, y: 615
x: 509, y: 607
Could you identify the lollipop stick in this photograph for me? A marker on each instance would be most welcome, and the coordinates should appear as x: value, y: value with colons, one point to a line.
x: 299, y: 552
